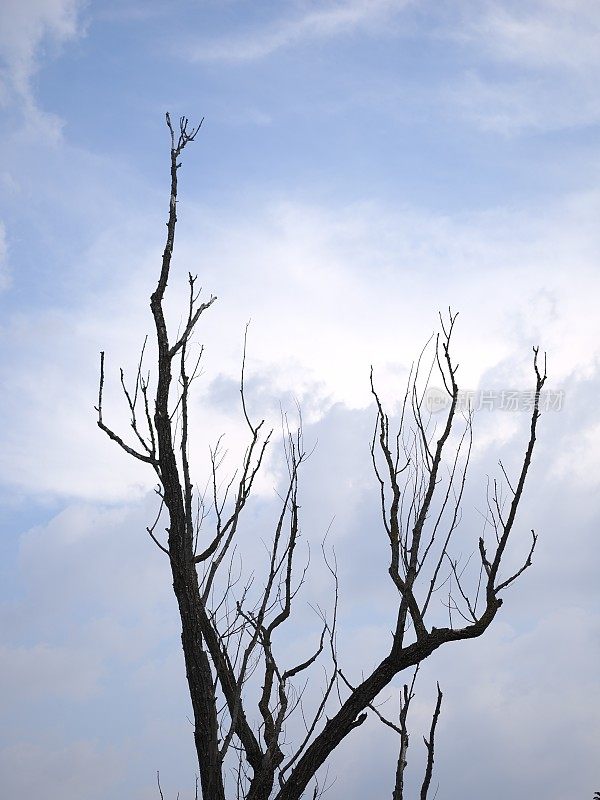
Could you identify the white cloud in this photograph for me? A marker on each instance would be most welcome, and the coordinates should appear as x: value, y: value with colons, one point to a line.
x: 95, y: 587
x: 329, y: 293
x: 320, y: 21
x: 72, y: 556
x: 579, y: 461
x: 551, y: 63
x: 25, y: 28
x: 540, y: 34
x: 500, y: 689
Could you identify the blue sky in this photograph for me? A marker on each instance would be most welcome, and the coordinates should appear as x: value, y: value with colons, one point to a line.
x: 362, y: 164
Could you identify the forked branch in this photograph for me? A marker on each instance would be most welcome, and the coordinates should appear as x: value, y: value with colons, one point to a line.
x: 242, y: 692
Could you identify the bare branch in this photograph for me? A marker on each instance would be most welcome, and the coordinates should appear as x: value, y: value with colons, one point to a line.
x: 230, y: 619
x: 148, y: 459
x: 430, y: 745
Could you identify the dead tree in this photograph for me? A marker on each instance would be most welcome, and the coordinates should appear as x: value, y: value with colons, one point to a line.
x: 242, y: 696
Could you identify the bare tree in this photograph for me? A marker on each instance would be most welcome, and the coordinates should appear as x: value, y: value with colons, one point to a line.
x: 243, y: 697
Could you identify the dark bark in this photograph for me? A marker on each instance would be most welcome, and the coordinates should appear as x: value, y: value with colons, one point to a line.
x: 181, y: 546
x: 430, y: 745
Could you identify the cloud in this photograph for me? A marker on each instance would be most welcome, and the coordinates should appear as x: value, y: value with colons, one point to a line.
x: 72, y: 556
x: 518, y: 693
x: 364, y: 281
x: 91, y: 578
x: 527, y: 103
x: 83, y: 641
x: 549, y: 63
x: 321, y: 21
x: 25, y: 28
x: 500, y: 690
x: 542, y: 35
x: 90, y: 651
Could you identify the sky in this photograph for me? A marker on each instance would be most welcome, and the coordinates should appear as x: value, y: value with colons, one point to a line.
x: 362, y: 165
